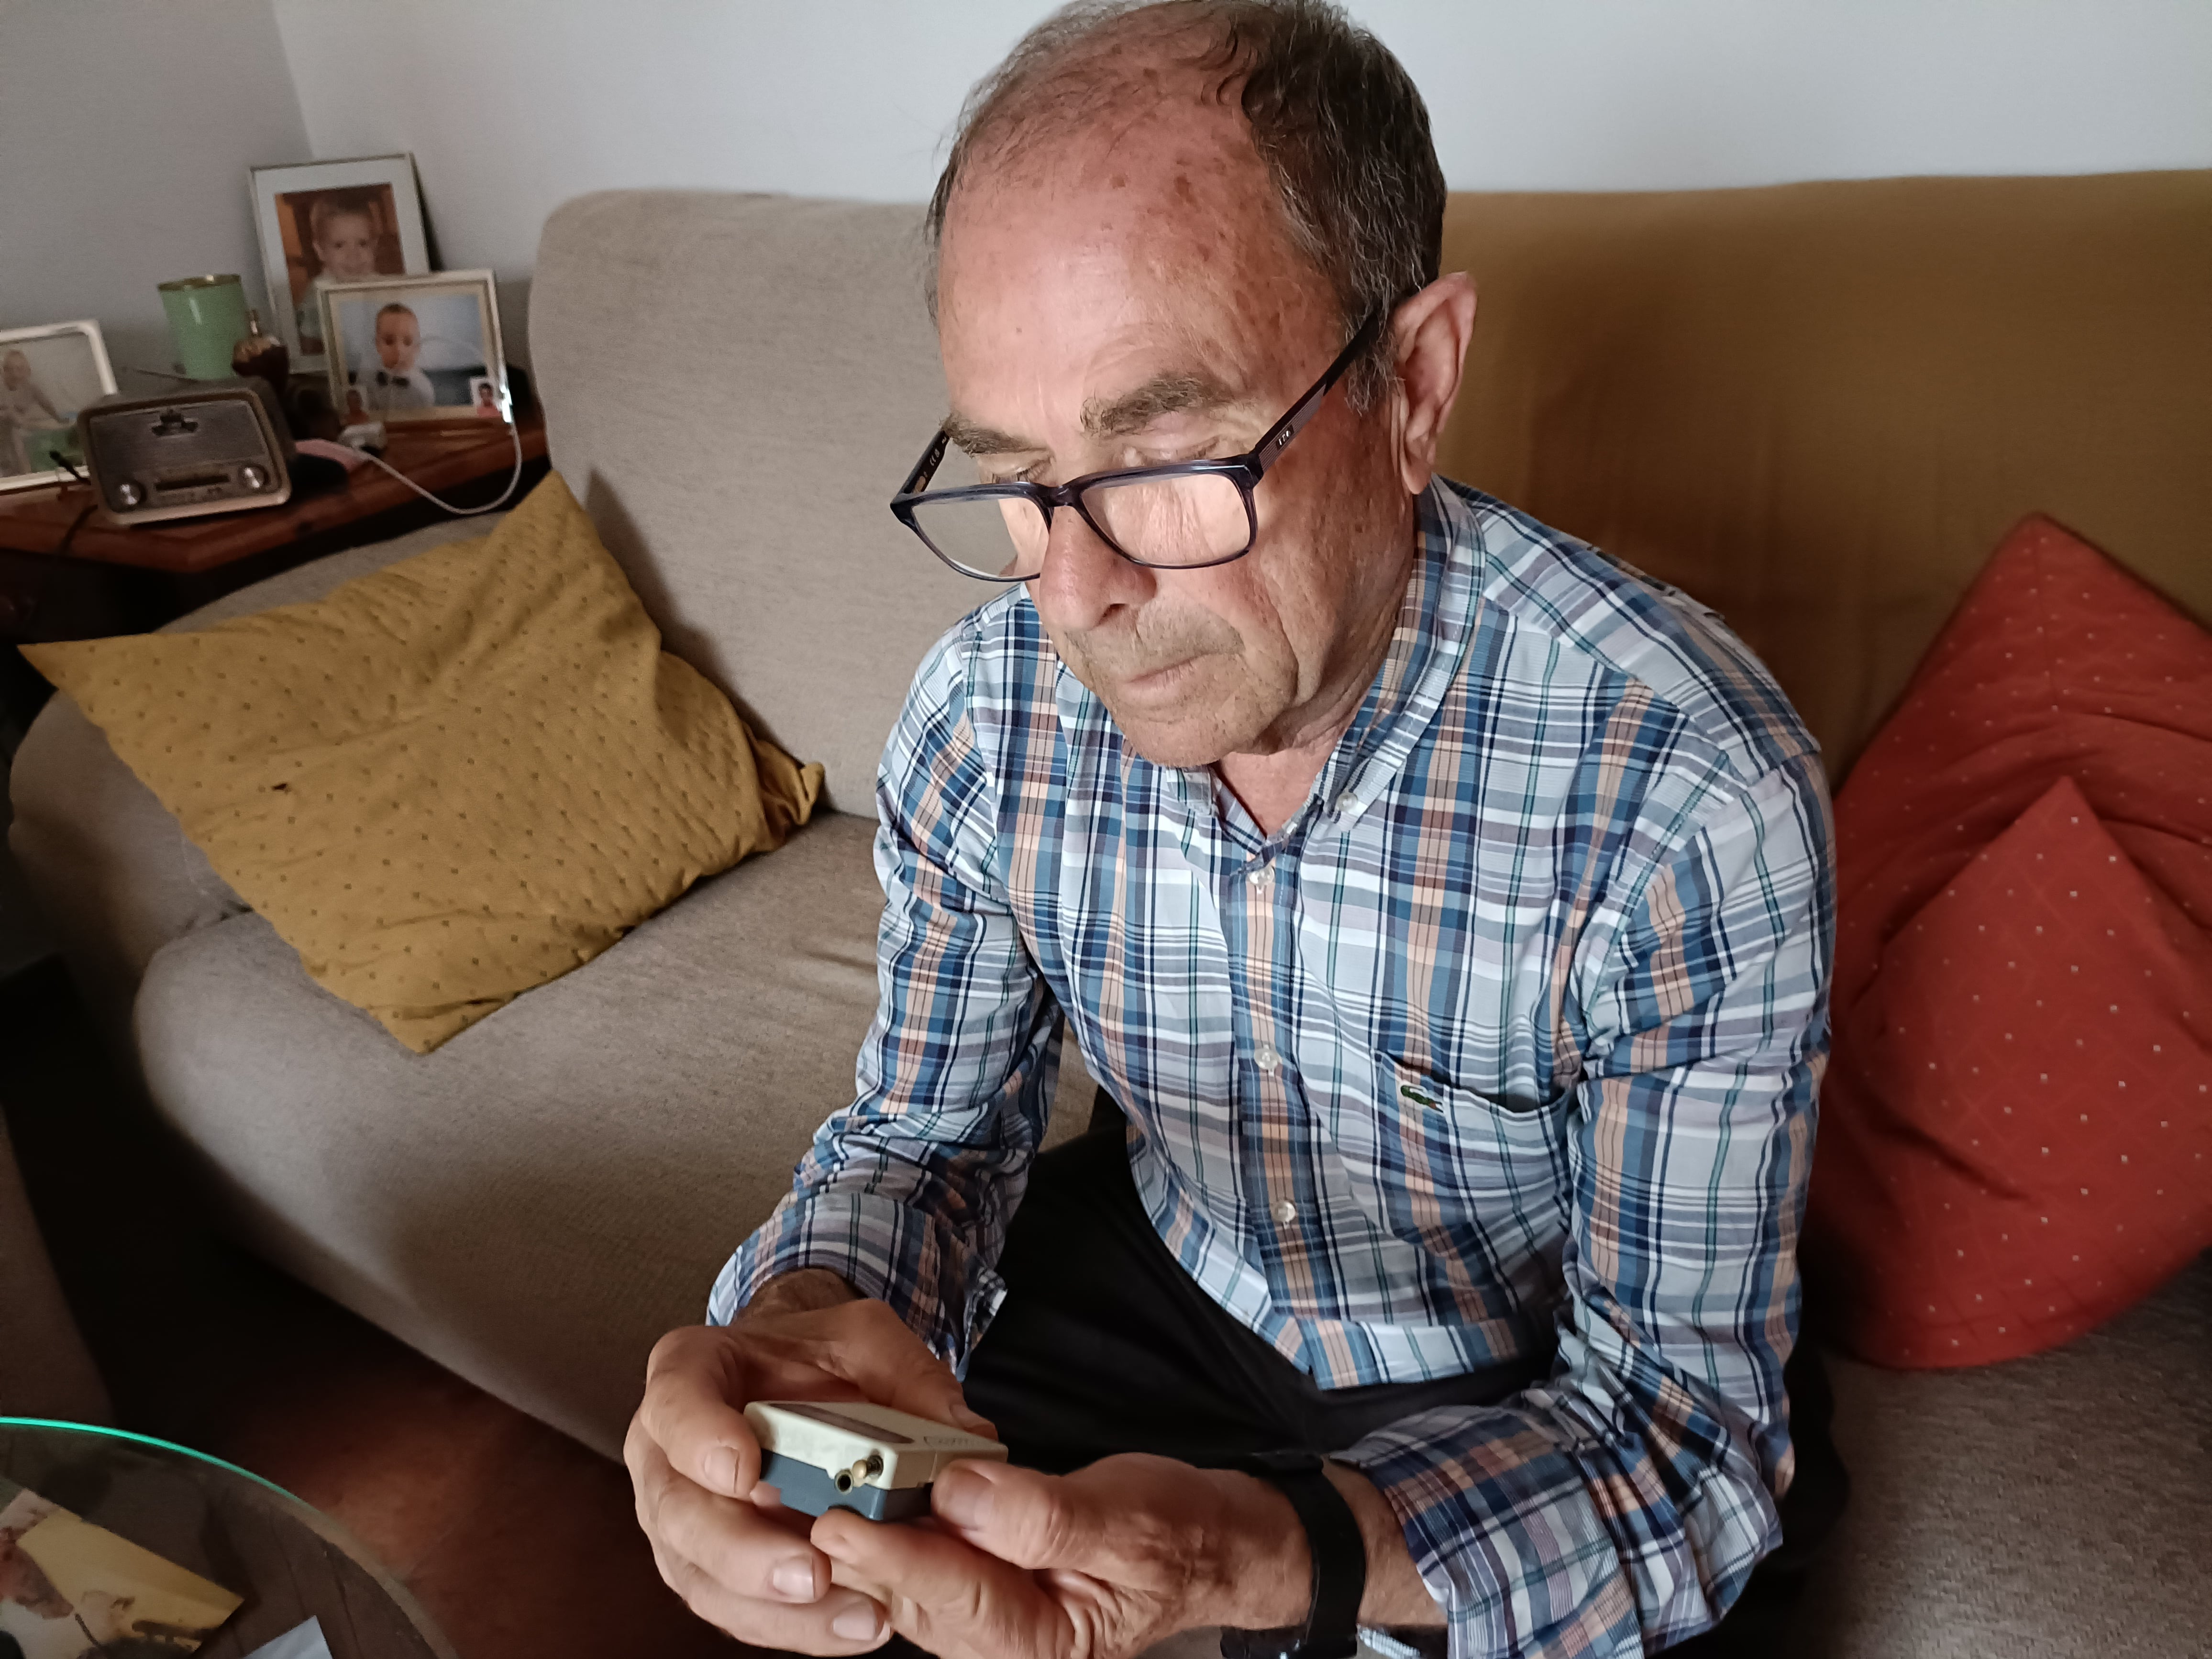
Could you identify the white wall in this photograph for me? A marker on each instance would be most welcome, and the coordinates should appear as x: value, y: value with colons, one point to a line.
x: 512, y: 106
x: 126, y: 129
x: 126, y: 126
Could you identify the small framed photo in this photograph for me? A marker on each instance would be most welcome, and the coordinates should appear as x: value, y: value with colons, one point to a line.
x: 329, y: 222
x: 47, y: 374
x: 416, y: 349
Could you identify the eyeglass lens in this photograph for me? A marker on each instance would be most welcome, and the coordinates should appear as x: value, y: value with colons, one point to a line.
x: 1184, y: 519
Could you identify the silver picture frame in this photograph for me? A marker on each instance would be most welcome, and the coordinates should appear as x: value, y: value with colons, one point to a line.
x: 375, y: 193
x: 46, y: 374
x: 457, y: 342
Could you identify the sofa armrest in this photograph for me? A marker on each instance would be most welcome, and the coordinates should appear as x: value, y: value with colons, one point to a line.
x: 109, y: 866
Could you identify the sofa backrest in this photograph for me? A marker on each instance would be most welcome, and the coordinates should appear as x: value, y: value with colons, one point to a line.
x: 734, y: 386
x: 1816, y: 406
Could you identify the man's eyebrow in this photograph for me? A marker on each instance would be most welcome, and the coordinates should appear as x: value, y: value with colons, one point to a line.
x: 1104, y: 417
x: 972, y: 439
x: 1163, y: 394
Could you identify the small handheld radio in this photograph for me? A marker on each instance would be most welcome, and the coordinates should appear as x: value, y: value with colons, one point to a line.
x: 849, y: 1454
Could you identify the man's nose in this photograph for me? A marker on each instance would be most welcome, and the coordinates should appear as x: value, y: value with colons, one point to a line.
x: 1084, y: 580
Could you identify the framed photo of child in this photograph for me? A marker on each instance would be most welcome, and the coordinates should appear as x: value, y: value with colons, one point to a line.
x: 47, y: 374
x: 416, y: 348
x: 328, y: 223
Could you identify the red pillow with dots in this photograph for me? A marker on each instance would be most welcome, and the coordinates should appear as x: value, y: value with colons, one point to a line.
x: 2015, y: 1138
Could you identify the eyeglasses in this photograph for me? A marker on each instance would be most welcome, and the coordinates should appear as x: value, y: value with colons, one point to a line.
x: 1183, y: 516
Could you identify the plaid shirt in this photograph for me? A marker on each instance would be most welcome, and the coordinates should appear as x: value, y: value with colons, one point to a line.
x: 1509, y: 1037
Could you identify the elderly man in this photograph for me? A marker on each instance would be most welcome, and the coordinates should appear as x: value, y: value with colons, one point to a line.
x: 1446, y: 907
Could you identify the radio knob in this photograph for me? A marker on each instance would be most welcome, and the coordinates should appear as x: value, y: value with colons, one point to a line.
x: 128, y: 494
x: 252, y: 477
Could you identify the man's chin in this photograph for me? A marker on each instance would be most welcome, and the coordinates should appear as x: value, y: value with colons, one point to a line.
x: 1180, y: 737
x: 1189, y: 713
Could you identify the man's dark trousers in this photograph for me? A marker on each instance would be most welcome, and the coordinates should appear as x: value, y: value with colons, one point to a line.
x: 1105, y: 1345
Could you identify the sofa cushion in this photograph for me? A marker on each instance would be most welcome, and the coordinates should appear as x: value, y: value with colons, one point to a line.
x: 116, y: 875
x: 536, y: 1202
x: 2021, y: 1144
x: 2053, y: 1508
x: 453, y: 779
x: 739, y: 450
x: 2015, y: 1126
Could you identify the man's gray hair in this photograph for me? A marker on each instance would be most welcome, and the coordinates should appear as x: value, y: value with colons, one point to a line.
x: 1335, y: 118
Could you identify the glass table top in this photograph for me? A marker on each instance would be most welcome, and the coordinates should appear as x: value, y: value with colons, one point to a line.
x: 289, y: 1561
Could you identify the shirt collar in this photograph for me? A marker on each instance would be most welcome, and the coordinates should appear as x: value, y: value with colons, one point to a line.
x: 1437, y: 616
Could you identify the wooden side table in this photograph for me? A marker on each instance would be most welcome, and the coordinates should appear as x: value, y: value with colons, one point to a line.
x: 101, y: 577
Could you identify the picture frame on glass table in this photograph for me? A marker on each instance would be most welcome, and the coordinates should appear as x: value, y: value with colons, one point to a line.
x: 46, y: 374
x: 416, y: 349
x: 325, y: 223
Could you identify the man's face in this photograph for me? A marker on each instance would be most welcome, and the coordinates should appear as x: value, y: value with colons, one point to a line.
x: 1128, y: 297
x: 347, y: 247
x: 15, y: 369
x: 397, y: 341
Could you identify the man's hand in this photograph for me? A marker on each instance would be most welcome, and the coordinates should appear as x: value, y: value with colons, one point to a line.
x: 1098, y: 1564
x: 740, y: 1559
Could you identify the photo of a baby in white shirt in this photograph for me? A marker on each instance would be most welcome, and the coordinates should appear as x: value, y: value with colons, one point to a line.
x: 392, y: 378
x: 415, y: 350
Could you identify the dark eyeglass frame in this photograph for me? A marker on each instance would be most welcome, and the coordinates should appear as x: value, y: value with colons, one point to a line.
x: 1243, y: 470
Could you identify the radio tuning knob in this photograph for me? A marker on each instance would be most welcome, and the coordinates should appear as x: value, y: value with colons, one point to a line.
x: 128, y: 494
x: 252, y: 477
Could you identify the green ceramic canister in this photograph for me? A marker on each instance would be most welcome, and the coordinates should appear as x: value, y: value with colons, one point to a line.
x: 207, y: 316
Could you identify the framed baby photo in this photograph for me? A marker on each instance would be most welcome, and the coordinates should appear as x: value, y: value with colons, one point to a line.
x: 328, y: 223
x: 47, y: 374
x: 415, y: 349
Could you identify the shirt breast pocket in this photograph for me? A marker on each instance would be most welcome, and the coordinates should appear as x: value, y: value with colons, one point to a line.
x: 1490, y: 1150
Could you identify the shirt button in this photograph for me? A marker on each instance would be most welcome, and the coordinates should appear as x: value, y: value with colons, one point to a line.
x: 1346, y: 801
x: 1266, y: 1058
x: 1259, y: 874
x: 1286, y: 1212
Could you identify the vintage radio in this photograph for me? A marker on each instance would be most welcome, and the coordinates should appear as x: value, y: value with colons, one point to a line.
x: 214, y: 447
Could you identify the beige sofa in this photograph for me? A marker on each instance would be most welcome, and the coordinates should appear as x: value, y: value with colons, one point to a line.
x: 1818, y: 407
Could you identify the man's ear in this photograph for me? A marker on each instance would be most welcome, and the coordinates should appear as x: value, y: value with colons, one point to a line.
x: 1430, y: 334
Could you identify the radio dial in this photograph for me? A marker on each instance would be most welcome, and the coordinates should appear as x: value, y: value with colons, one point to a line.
x: 252, y: 477
x: 128, y: 494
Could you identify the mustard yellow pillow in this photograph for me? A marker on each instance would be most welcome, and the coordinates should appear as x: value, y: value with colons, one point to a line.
x: 450, y: 780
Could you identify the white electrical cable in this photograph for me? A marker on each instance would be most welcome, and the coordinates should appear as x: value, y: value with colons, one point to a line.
x: 514, y: 431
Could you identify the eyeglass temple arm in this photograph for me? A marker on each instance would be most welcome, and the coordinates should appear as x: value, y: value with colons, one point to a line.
x: 1277, y: 439
x: 926, y: 467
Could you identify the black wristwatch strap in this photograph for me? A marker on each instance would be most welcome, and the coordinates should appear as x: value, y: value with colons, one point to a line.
x: 1331, y: 1630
